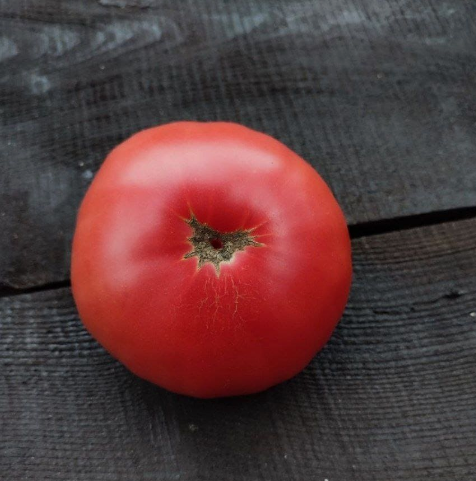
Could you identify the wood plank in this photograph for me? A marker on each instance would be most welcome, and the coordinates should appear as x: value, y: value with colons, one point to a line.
x: 392, y: 396
x: 377, y: 94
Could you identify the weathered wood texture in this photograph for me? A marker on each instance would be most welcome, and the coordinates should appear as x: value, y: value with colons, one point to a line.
x: 379, y: 95
x: 391, y: 397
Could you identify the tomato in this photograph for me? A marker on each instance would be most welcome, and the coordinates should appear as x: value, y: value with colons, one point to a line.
x: 210, y: 259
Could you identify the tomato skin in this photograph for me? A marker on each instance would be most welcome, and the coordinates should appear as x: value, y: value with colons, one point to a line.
x: 257, y: 322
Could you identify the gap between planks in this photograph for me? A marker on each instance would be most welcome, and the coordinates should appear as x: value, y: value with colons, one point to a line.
x: 365, y: 229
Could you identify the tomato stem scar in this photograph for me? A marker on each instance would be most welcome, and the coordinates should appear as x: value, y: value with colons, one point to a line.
x: 210, y: 245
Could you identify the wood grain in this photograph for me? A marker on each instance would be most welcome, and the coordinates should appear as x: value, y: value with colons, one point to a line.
x: 378, y: 95
x: 391, y: 397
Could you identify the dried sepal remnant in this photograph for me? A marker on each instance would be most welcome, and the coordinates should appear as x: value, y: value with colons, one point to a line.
x: 209, y: 245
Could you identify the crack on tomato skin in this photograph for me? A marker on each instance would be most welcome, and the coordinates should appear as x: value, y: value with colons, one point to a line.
x: 237, y: 296
x: 210, y: 245
x: 204, y: 300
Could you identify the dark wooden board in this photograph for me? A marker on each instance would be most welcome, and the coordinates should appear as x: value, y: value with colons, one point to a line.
x: 379, y: 95
x: 391, y: 397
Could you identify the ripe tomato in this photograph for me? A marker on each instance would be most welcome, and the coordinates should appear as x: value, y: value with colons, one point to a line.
x: 210, y: 259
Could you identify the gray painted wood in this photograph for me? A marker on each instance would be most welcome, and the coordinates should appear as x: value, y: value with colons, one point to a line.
x: 391, y: 397
x: 378, y: 95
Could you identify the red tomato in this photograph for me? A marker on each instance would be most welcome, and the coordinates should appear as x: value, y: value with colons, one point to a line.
x: 210, y: 259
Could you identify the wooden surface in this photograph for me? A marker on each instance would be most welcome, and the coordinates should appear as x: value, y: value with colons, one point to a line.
x: 380, y: 97
x: 391, y: 397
